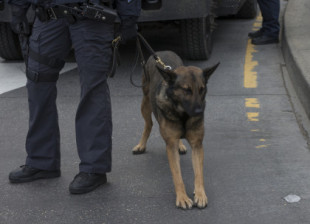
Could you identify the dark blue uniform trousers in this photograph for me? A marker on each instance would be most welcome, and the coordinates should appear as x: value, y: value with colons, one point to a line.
x: 91, y: 41
x: 270, y: 11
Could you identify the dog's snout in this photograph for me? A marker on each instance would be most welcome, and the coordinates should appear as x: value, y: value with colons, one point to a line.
x: 193, y: 110
x: 198, y: 110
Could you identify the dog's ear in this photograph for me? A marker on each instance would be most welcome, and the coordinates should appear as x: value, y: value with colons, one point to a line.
x: 209, y: 71
x: 167, y: 73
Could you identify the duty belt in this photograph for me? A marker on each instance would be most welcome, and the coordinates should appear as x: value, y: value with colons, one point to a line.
x: 54, y: 13
x: 94, y: 12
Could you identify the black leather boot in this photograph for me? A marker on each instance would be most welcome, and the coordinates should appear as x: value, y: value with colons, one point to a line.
x: 255, y: 33
x: 265, y: 39
x: 86, y: 182
x: 27, y: 174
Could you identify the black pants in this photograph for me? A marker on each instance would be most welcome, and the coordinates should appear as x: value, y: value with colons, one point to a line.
x: 270, y: 11
x: 91, y: 41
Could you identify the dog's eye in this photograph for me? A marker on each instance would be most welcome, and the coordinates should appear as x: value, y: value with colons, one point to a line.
x: 201, y: 90
x: 188, y: 91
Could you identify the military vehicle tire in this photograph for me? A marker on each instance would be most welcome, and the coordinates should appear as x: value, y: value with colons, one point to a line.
x: 197, y: 38
x: 9, y: 43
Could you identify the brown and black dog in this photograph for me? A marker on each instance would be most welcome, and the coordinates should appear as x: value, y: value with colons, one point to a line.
x: 176, y: 96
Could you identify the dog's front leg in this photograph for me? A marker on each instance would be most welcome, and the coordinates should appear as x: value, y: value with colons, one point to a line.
x: 195, y: 140
x: 200, y: 199
x: 182, y: 200
x: 146, y: 112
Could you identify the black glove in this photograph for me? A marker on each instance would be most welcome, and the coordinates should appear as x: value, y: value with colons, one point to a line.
x: 1, y: 5
x: 128, y: 28
x: 19, y: 21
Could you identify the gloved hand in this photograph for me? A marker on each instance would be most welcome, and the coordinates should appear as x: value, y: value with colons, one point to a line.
x: 128, y: 29
x: 19, y: 21
x: 1, y: 5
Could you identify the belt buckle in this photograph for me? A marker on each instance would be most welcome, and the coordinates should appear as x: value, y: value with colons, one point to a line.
x: 51, y: 13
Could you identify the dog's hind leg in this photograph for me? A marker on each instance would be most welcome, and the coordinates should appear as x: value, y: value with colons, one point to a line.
x: 182, y: 148
x: 182, y: 200
x: 146, y: 111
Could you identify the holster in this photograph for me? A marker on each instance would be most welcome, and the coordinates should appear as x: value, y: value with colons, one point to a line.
x: 99, y: 13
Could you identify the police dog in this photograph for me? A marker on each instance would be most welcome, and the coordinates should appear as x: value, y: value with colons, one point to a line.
x: 176, y: 96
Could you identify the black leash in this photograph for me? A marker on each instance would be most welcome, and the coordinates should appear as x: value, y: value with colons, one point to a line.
x: 150, y: 49
x: 139, y: 54
x: 115, y: 58
x: 158, y: 60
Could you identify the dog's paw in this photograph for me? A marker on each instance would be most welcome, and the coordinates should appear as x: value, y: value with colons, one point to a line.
x: 201, y: 200
x: 184, y: 202
x: 138, y: 149
x: 182, y: 148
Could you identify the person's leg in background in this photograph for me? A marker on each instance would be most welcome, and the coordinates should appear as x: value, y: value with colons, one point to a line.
x: 269, y: 33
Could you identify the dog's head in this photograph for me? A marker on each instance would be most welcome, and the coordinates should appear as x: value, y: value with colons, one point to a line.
x: 187, y: 87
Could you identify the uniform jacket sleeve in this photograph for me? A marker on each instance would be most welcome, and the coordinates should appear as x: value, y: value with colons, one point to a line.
x: 128, y: 8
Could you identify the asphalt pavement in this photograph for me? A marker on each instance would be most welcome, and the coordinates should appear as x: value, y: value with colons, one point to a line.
x: 256, y: 154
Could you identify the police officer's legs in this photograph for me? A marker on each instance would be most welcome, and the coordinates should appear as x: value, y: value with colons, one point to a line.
x: 49, y: 39
x: 270, y: 29
x: 92, y: 43
x: 270, y: 11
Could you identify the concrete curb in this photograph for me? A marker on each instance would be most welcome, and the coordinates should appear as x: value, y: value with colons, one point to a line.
x: 296, y: 48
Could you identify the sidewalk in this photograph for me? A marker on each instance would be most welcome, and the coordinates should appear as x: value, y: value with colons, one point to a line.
x: 296, y: 48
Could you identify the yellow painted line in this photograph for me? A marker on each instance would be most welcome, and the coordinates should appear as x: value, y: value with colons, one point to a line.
x: 253, y: 116
x: 252, y: 103
x: 250, y: 81
x: 250, y: 76
x: 261, y: 146
x: 259, y: 17
x: 257, y: 24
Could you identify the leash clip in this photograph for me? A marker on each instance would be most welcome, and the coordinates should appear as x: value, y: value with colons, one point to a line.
x: 166, y: 67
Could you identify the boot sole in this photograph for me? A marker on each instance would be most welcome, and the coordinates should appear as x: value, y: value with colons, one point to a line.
x: 37, y: 176
x: 265, y: 42
x: 253, y: 36
x: 85, y: 190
